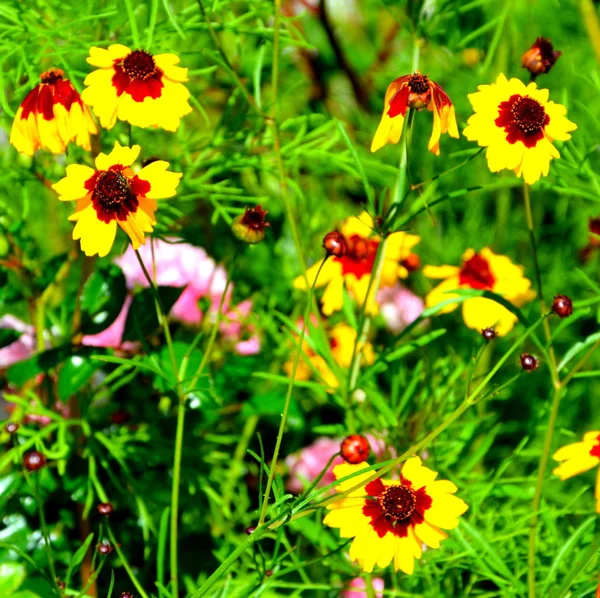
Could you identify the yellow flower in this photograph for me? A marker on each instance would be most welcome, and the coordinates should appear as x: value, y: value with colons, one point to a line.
x: 112, y: 194
x: 136, y: 87
x: 51, y: 116
x: 486, y: 271
x: 415, y: 91
x: 355, y: 267
x: 341, y: 340
x: 517, y: 124
x: 579, y: 457
x: 391, y: 520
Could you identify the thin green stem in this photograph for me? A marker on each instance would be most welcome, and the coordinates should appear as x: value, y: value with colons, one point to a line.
x: 288, y: 397
x: 45, y: 531
x: 114, y: 544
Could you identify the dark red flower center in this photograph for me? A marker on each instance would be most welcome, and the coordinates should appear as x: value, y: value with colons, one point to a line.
x: 523, y: 119
x: 139, y: 65
x: 419, y: 83
x: 254, y: 218
x: 476, y: 273
x: 595, y: 450
x: 113, y: 195
x: 52, y: 76
x: 360, y: 257
x: 398, y: 502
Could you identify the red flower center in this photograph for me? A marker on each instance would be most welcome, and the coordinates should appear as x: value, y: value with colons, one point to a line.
x: 360, y: 257
x: 113, y: 197
x: 139, y: 65
x: 52, y: 76
x: 595, y: 450
x: 398, y: 502
x: 476, y: 273
x: 254, y: 218
x: 419, y: 83
x: 523, y: 119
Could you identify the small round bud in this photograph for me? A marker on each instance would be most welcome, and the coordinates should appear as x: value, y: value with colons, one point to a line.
x: 104, y: 548
x: 489, y: 334
x: 562, y: 306
x: 249, y: 227
x: 335, y: 243
x: 268, y: 572
x: 529, y: 362
x: 359, y: 395
x: 127, y: 595
x: 34, y: 460
x: 105, y: 508
x: 355, y: 449
x: 61, y: 584
x: 250, y: 529
x: 540, y: 58
x: 11, y: 427
x: 412, y: 262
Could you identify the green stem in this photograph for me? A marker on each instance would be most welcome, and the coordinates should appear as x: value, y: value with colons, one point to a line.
x: 125, y: 562
x: 45, y: 531
x: 288, y: 397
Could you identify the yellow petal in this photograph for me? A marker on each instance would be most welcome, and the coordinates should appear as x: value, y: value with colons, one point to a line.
x: 417, y: 474
x: 106, y: 57
x: 162, y: 182
x: 440, y: 293
x: 480, y: 313
x: 97, y: 237
x: 72, y: 186
x: 166, y: 63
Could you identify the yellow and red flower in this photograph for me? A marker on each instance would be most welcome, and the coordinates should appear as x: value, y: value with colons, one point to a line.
x: 51, y: 116
x: 415, y: 91
x: 112, y: 194
x: 341, y: 340
x: 390, y: 520
x: 517, y: 124
x: 579, y: 457
x: 354, y: 268
x: 483, y: 270
x: 136, y: 87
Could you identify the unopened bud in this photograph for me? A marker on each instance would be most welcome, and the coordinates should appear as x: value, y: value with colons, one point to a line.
x: 249, y: 227
x: 540, y: 58
x: 34, y: 460
x: 562, y: 306
x: 355, y: 449
x: 489, y: 334
x: 529, y: 362
x: 335, y: 243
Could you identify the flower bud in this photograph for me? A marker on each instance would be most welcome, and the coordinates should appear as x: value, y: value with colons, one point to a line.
x: 249, y: 227
x: 529, y: 362
x: 411, y: 262
x: 562, y: 306
x: 127, y: 595
x: 540, y: 58
x: 335, y: 243
x: 489, y: 334
x: 355, y: 449
x: 250, y: 529
x: 34, y: 460
x: 105, y: 508
x: 11, y: 427
x: 104, y: 548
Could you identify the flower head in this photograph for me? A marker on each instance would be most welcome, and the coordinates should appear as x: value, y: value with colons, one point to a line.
x: 390, y: 520
x: 540, y: 58
x: 415, y: 91
x: 483, y: 270
x: 579, y: 457
x: 249, y: 227
x: 136, y: 87
x: 51, y: 116
x: 111, y: 195
x: 399, y: 307
x: 354, y: 268
x: 517, y: 124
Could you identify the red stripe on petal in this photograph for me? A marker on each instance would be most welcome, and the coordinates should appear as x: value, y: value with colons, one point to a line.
x: 375, y: 488
x: 29, y: 104
x: 399, y: 103
x: 45, y: 105
x: 65, y: 94
x: 595, y: 451
x: 139, y: 186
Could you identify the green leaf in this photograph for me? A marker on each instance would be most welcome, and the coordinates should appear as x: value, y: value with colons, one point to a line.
x: 142, y: 319
x: 271, y: 404
x: 411, y: 346
x: 74, y: 374
x: 12, y: 576
x: 8, y: 337
x: 102, y: 299
x: 78, y: 557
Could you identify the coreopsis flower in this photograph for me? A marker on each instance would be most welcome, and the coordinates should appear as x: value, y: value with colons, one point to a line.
x: 341, y: 340
x: 250, y: 226
x: 112, y: 194
x: 136, y: 87
x: 540, y: 58
x: 354, y: 268
x: 483, y: 270
x: 415, y: 91
x: 51, y: 116
x: 390, y: 520
x: 579, y: 457
x: 517, y: 124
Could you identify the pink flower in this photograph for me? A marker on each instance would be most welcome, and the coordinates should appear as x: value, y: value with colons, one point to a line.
x: 23, y: 347
x: 113, y: 335
x: 178, y: 264
x: 360, y: 588
x: 235, y: 326
x: 399, y: 307
x: 306, y: 465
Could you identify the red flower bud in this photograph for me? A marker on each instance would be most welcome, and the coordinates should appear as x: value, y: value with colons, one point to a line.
x: 529, y: 362
x: 104, y: 548
x: 562, y: 306
x: 250, y: 529
x: 355, y: 449
x: 127, y: 595
x: 34, y: 460
x: 249, y: 227
x: 335, y: 243
x: 489, y: 334
x: 105, y: 508
x: 11, y: 427
x: 540, y: 58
